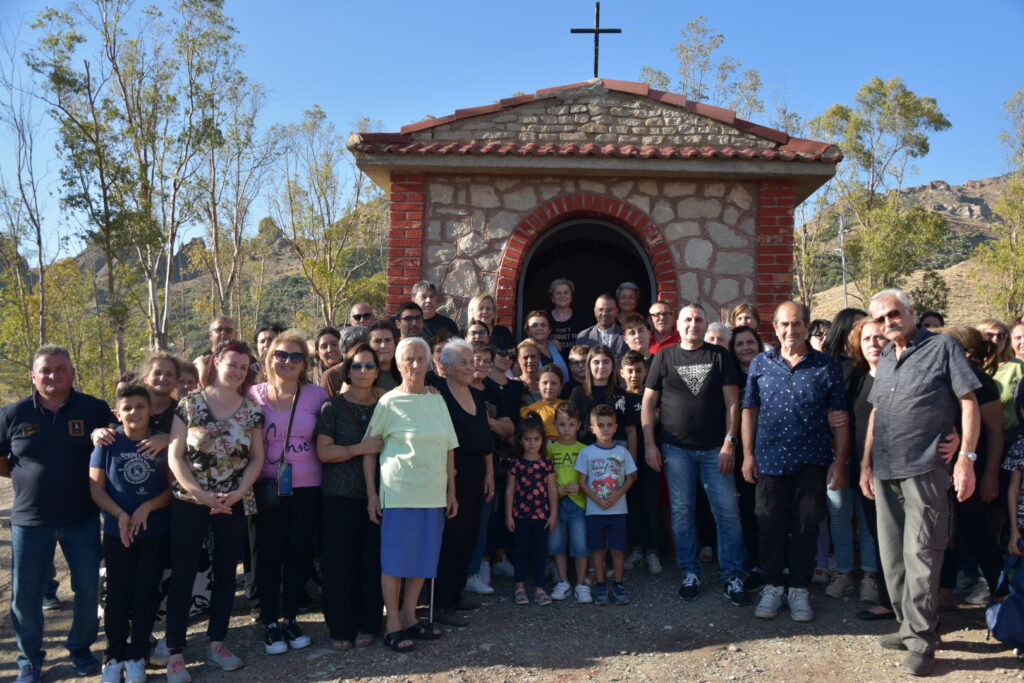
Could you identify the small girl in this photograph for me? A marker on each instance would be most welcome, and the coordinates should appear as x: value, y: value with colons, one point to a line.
x: 531, y: 506
x: 550, y: 385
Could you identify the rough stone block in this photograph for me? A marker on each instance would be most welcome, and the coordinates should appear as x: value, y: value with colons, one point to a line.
x: 747, y: 225
x: 733, y: 263
x: 483, y: 196
x: 679, y: 229
x: 595, y: 186
x: 679, y: 189
x: 726, y: 289
x: 461, y: 280
x: 640, y: 202
x: 472, y: 244
x: 730, y: 215
x: 698, y: 253
x: 689, y: 288
x: 455, y: 229
x: 440, y: 193
x: 523, y: 199
x: 663, y: 212
x: 697, y: 207
x: 434, y: 231
x: 499, y: 225
x: 724, y: 236
x: 648, y: 187
x: 621, y: 189
x: 714, y: 190
x: 741, y: 197
x: 439, y: 253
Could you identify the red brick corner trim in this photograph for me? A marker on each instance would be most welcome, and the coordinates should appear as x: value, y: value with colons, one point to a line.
x: 405, y: 238
x: 581, y: 205
x: 774, y: 249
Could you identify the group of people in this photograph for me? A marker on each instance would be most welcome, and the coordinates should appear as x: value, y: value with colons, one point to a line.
x: 388, y: 451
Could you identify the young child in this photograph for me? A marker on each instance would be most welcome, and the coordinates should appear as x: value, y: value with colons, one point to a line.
x: 569, y: 537
x: 132, y: 490
x: 531, y: 507
x: 606, y: 471
x: 577, y: 368
x: 550, y: 386
x: 644, y: 520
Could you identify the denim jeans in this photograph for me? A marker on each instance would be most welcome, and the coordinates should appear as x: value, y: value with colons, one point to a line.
x: 843, y: 505
x: 683, y: 469
x: 569, y: 537
x: 481, y: 536
x: 32, y: 549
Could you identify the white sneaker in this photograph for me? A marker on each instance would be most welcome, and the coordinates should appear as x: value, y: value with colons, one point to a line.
x: 583, y: 595
x: 177, y: 672
x: 561, y: 590
x: 503, y: 568
x: 772, y: 599
x: 964, y: 583
x: 839, y: 586
x: 135, y: 671
x: 869, y: 589
x: 224, y: 658
x: 979, y: 594
x: 159, y: 654
x: 485, y: 572
x: 799, y: 604
x: 634, y: 560
x: 112, y: 670
x: 653, y: 563
x: 476, y: 584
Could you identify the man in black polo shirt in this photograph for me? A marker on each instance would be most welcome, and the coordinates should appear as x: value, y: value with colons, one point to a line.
x: 425, y: 295
x: 922, y: 380
x: 44, y: 449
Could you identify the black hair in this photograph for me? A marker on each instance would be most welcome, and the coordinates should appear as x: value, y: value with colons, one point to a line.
x: 932, y: 314
x: 276, y: 328
x: 530, y: 423
x: 603, y: 410
x: 736, y: 331
x: 408, y: 306
x: 838, y: 337
x: 133, y: 389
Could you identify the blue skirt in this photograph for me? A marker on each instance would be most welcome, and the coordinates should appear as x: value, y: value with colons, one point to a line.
x: 410, y: 541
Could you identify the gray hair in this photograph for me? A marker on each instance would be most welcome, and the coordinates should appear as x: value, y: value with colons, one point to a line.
x: 561, y: 281
x: 352, y: 335
x: 450, y: 351
x: 423, y: 286
x: 898, y: 294
x: 412, y: 341
x: 51, y: 350
x: 719, y: 327
x: 627, y: 285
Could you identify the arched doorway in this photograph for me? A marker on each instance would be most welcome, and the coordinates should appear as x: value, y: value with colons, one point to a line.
x: 594, y: 254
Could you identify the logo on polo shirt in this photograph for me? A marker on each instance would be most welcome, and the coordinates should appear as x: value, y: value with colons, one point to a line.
x: 29, y: 429
x: 76, y: 427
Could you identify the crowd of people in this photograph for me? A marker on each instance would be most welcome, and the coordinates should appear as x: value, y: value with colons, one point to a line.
x: 876, y: 453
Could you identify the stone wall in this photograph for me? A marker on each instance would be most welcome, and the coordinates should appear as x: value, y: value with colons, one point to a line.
x: 592, y: 113
x: 708, y: 227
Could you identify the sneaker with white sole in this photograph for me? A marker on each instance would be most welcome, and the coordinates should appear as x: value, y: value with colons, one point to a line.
x: 799, y: 604
x: 869, y: 589
x: 503, y: 568
x: 733, y: 590
x: 485, y: 572
x: 295, y: 637
x: 583, y: 594
x: 561, y: 590
x: 653, y: 563
x: 772, y: 599
x: 135, y: 671
x: 159, y: 653
x: 840, y: 585
x: 690, y: 588
x: 476, y: 584
x: 273, y: 639
x: 112, y: 670
x: 177, y: 672
x: 634, y: 560
x: 224, y: 658
x: 979, y: 593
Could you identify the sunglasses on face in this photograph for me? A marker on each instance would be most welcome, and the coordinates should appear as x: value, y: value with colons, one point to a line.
x: 363, y: 366
x: 894, y: 314
x: 505, y: 354
x: 294, y: 356
x: 995, y: 335
x: 412, y: 319
x: 361, y: 316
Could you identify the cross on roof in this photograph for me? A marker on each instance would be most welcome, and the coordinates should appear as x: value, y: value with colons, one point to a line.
x: 597, y: 31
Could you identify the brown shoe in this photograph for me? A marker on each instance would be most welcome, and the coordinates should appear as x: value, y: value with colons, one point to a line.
x: 917, y: 664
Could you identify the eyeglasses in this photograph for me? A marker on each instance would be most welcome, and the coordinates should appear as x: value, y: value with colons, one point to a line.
x: 660, y: 314
x: 820, y: 335
x: 994, y: 335
x: 483, y: 361
x: 894, y: 314
x: 363, y: 366
x: 505, y: 354
x: 411, y: 319
x: 223, y: 330
x: 361, y: 316
x: 294, y: 356
x: 577, y: 363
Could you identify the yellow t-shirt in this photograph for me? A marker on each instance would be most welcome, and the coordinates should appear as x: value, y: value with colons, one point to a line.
x: 564, y: 459
x: 546, y: 410
x: 418, y: 434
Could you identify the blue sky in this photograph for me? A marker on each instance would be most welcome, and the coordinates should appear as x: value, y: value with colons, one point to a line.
x: 397, y: 61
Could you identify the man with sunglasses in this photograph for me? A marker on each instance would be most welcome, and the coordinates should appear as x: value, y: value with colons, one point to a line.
x: 222, y: 329
x: 362, y: 314
x: 922, y: 382
x: 663, y: 328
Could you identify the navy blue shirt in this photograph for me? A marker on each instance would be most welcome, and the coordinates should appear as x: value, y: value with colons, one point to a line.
x: 49, y: 458
x: 792, y: 427
x: 132, y: 479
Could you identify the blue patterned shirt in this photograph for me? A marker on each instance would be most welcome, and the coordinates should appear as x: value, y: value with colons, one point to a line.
x: 792, y: 427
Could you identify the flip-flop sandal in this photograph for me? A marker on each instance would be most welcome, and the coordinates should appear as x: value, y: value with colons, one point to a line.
x: 364, y: 639
x: 542, y: 598
x: 395, y: 639
x: 520, y: 597
x: 422, y: 631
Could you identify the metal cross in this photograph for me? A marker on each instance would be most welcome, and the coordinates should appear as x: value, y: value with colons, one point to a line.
x: 597, y: 31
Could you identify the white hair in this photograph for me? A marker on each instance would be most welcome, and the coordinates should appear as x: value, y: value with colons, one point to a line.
x: 412, y: 341
x: 898, y: 294
x: 719, y: 327
x: 451, y: 349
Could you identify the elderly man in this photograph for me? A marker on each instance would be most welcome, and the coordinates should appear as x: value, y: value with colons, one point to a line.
x: 222, y: 329
x: 663, y: 329
x: 696, y: 387
x: 362, y: 314
x: 922, y: 382
x: 794, y: 394
x: 44, y: 449
x: 425, y: 294
x: 607, y: 331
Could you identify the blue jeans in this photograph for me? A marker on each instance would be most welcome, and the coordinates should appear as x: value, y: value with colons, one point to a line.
x: 683, y: 469
x: 842, y: 507
x: 32, y: 549
x: 481, y: 537
x: 569, y: 537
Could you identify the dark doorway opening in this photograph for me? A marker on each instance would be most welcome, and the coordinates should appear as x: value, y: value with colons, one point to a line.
x: 595, y: 255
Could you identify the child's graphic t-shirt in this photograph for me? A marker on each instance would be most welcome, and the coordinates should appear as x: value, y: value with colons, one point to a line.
x: 606, y: 470
x: 564, y: 459
x: 531, y: 499
x: 132, y: 479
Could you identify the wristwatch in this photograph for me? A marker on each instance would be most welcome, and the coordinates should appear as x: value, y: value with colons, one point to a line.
x: 732, y: 439
x: 970, y: 455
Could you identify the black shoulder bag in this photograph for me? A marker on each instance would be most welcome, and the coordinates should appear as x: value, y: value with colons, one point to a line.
x: 269, y: 491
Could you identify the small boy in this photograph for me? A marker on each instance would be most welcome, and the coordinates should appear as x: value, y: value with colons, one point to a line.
x: 571, y: 530
x: 132, y: 490
x: 606, y: 471
x: 549, y: 384
x: 578, y: 368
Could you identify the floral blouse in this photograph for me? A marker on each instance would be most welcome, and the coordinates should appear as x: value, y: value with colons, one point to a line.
x: 217, y: 451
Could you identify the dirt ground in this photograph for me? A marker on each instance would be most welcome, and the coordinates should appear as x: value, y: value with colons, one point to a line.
x: 656, y: 637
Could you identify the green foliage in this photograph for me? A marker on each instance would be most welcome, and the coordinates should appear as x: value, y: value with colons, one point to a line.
x: 1013, y: 137
x: 1001, y: 261
x: 932, y: 294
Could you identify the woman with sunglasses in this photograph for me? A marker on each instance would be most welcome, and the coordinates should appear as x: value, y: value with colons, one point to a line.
x: 289, y: 511
x: 352, y: 599
x: 1007, y: 373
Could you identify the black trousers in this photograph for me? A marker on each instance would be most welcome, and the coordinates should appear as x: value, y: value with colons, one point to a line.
x: 789, y: 509
x: 190, y: 523
x: 871, y: 516
x: 460, y: 532
x: 133, y: 593
x: 284, y: 552
x: 350, y: 560
x: 644, y: 518
x: 746, y: 496
x: 973, y: 520
x: 532, y: 550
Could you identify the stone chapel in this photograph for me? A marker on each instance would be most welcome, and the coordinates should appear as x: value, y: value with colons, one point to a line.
x: 601, y: 182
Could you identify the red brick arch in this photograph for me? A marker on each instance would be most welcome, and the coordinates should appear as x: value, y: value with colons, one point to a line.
x: 581, y: 205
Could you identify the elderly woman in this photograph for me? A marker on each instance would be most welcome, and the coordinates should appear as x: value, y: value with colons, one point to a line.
x: 216, y: 454
x: 417, y: 490
x: 567, y: 324
x: 627, y: 296
x: 286, y: 521
x: 482, y: 307
x: 717, y: 334
x: 474, y: 463
x: 352, y: 599
x: 538, y: 327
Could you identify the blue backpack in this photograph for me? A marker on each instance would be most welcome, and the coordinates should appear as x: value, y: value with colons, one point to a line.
x: 1005, y: 619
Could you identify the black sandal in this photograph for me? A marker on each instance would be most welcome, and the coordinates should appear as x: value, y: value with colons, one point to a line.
x: 421, y: 630
x: 395, y: 639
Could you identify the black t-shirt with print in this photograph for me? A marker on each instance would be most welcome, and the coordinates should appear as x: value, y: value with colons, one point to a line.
x: 584, y: 404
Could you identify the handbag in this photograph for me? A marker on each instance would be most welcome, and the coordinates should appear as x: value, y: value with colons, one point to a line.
x: 270, y: 491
